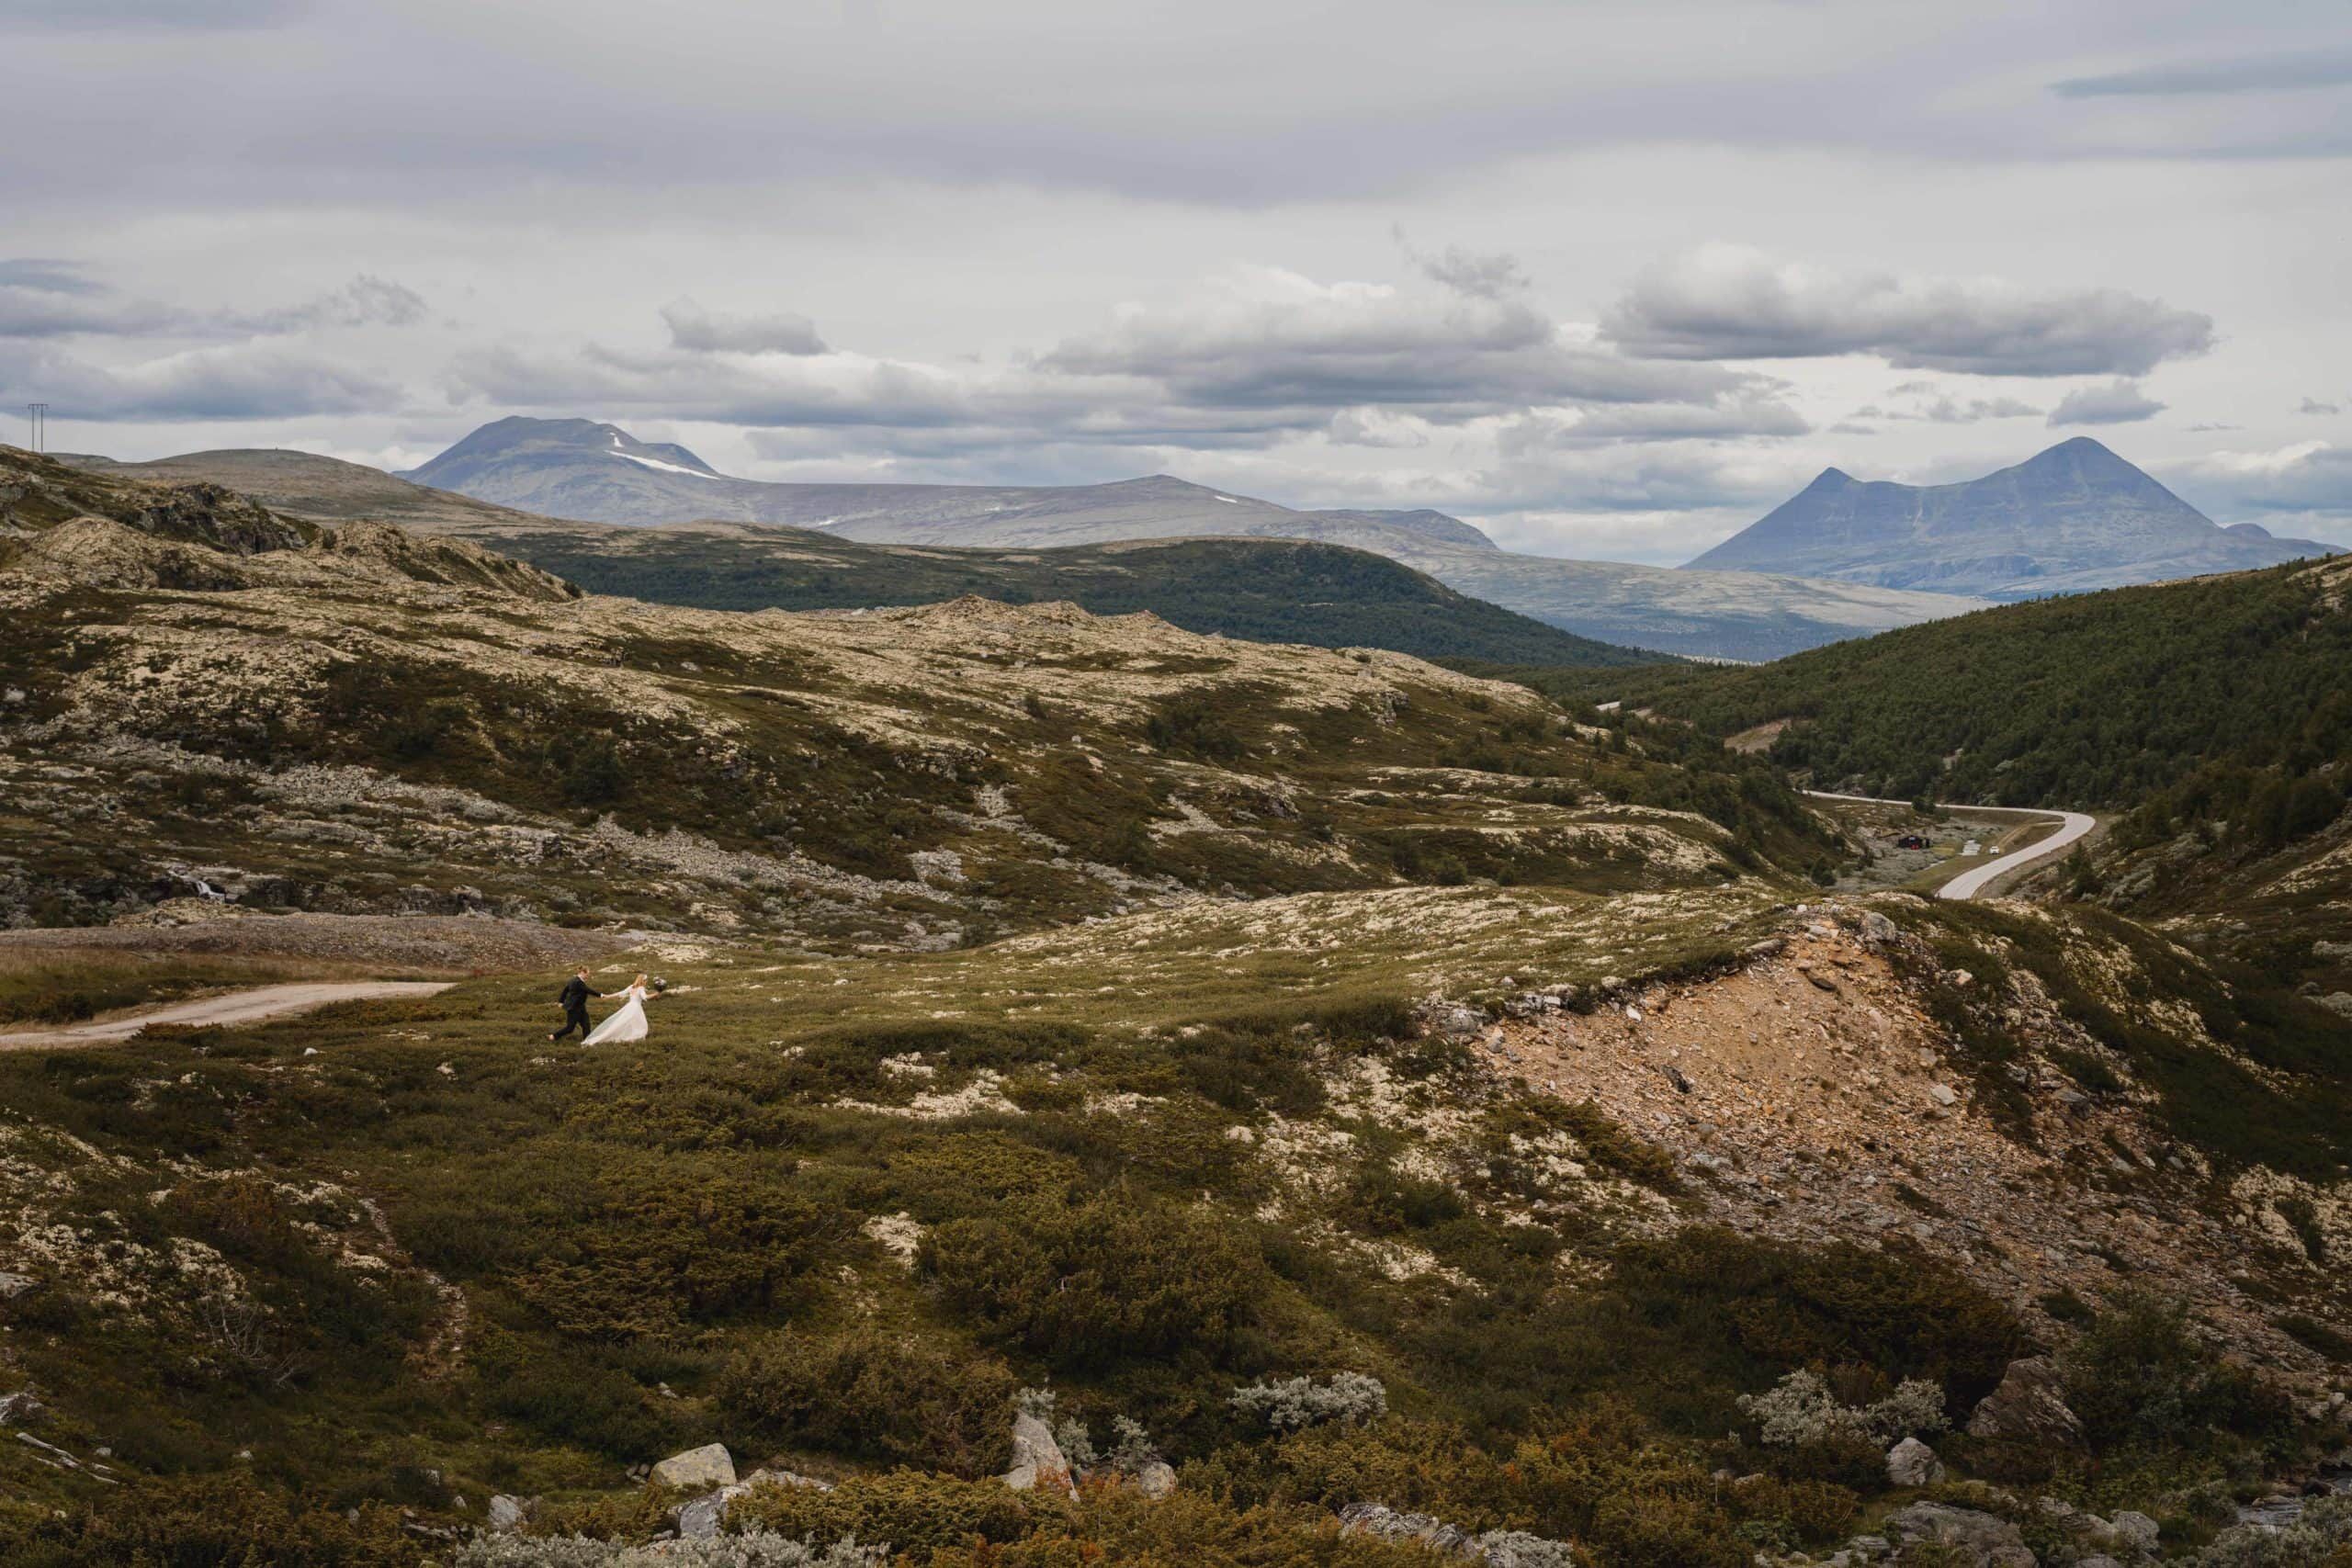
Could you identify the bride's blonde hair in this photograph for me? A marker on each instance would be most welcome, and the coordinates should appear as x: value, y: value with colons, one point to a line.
x: 638, y: 981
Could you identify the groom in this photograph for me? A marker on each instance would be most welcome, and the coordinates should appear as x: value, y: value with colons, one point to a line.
x: 574, y: 1003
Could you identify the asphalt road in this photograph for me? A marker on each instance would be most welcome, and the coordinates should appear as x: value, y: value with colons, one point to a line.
x: 1971, y: 884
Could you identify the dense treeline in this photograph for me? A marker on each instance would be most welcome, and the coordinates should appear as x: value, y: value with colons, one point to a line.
x: 2220, y: 700
x: 1260, y: 589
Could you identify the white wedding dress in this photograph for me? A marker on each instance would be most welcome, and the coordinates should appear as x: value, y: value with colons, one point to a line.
x: 626, y: 1025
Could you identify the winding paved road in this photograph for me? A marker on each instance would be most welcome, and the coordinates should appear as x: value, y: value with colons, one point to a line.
x: 2072, y: 826
x: 236, y: 1007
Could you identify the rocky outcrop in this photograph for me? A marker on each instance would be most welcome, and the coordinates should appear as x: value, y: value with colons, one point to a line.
x: 1037, y: 1459
x: 2030, y: 1406
x: 1988, y: 1540
x: 1494, y: 1549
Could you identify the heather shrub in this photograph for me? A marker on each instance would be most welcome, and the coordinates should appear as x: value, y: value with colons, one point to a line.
x: 902, y: 1399
x: 908, y: 1512
x: 2321, y: 1538
x: 756, y: 1550
x: 1095, y: 1282
x: 215, y: 1522
x: 2138, y: 1377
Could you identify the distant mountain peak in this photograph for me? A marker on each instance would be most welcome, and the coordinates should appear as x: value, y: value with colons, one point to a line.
x: 2073, y: 517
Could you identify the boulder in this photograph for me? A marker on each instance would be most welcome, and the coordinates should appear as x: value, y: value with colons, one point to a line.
x: 2135, y: 1532
x: 1912, y: 1463
x: 703, y: 1517
x: 1988, y: 1540
x: 1877, y: 930
x: 1155, y: 1479
x: 1037, y: 1460
x: 507, y: 1514
x: 2028, y: 1406
x: 710, y: 1465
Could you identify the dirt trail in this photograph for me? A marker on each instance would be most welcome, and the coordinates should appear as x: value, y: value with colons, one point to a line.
x: 235, y: 1008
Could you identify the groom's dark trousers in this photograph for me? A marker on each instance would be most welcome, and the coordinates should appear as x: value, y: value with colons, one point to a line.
x: 575, y: 1008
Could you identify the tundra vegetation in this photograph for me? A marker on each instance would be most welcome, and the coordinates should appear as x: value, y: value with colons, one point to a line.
x: 1240, y: 1175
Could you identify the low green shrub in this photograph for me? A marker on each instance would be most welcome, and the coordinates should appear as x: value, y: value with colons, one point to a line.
x: 899, y: 1398
x: 1097, y: 1281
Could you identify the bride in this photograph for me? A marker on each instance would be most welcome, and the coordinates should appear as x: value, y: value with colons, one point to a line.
x: 629, y: 1023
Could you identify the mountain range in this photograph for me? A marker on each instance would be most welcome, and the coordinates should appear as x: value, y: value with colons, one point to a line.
x: 1263, y: 590
x: 2074, y: 517
x: 585, y: 470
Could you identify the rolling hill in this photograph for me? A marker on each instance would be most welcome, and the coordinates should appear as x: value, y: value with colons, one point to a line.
x: 580, y: 469
x: 1262, y: 590
x: 2212, y: 716
x: 2074, y: 517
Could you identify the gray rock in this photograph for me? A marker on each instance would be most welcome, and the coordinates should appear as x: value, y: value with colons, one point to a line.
x: 1877, y: 930
x: 1989, y: 1542
x: 2030, y: 1406
x: 2136, y: 1531
x: 507, y: 1514
x: 2338, y: 1001
x: 1912, y: 1463
x: 1155, y: 1479
x: 14, y: 1285
x: 699, y: 1518
x: 2096, y: 1560
x: 1037, y: 1460
x: 710, y: 1465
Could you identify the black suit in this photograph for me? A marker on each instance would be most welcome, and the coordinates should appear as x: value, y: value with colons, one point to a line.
x: 575, y: 1006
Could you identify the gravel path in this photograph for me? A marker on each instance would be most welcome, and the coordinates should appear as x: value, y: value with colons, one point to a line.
x: 236, y: 1007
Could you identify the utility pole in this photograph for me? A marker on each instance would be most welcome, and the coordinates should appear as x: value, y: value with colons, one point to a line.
x: 37, y: 415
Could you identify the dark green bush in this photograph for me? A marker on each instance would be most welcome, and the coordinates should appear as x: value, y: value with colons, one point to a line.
x: 2138, y: 1378
x: 1094, y: 1282
x: 899, y: 1398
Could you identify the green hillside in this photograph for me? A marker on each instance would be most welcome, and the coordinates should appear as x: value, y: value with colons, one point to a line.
x: 1261, y: 590
x: 2213, y: 716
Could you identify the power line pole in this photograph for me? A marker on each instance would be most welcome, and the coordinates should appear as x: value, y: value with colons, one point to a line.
x: 37, y: 415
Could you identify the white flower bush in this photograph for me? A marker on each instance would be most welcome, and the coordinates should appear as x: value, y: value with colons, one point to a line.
x: 756, y: 1550
x: 1297, y: 1403
x: 1800, y: 1410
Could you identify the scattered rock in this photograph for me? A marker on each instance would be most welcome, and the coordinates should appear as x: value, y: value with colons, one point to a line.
x: 2030, y: 1406
x: 1155, y: 1479
x: 2136, y: 1531
x: 1990, y: 1541
x: 1912, y: 1463
x: 1877, y: 930
x: 507, y: 1513
x: 14, y: 1285
x: 1942, y: 1094
x: 1037, y: 1460
x: 710, y: 1465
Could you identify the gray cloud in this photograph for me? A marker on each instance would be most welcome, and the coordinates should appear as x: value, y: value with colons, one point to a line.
x: 698, y: 331
x: 2120, y: 401
x: 227, y: 382
x: 1482, y: 275
x: 1731, y: 302
x: 2309, y: 484
x: 1274, y: 340
x: 105, y: 16
x: 1931, y: 404
x: 2313, y: 405
x: 2258, y: 73
x: 48, y: 299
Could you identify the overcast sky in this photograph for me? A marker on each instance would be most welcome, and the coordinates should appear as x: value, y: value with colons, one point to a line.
x: 1609, y: 280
